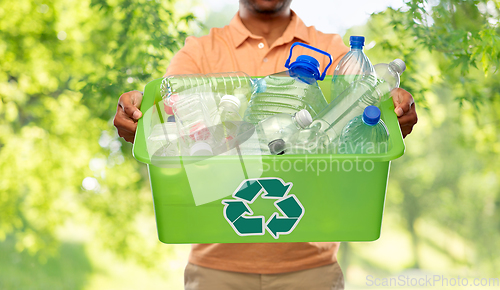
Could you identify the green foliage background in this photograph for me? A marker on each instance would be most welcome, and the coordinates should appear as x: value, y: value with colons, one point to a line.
x: 64, y: 63
x: 63, y: 66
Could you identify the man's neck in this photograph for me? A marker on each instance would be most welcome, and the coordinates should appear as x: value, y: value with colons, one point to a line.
x: 269, y: 26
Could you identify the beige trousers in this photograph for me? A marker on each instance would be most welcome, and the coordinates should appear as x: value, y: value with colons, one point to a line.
x: 328, y: 277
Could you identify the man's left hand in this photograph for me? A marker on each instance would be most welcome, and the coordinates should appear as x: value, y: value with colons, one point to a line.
x: 404, y: 106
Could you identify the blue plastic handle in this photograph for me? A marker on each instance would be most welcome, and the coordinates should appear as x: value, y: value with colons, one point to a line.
x: 287, y: 63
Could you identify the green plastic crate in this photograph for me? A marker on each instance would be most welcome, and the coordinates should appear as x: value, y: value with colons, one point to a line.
x: 345, y: 202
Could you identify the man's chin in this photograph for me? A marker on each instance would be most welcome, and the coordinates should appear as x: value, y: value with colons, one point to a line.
x: 267, y: 6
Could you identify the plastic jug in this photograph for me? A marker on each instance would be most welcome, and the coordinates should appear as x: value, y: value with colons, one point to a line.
x: 289, y: 91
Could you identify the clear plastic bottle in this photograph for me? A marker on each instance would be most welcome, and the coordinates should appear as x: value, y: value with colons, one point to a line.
x: 238, y: 84
x: 229, y: 109
x: 210, y: 99
x: 289, y: 91
x: 388, y: 75
x: 367, y: 91
x: 194, y: 126
x: 237, y: 137
x: 311, y: 140
x: 353, y: 66
x: 207, y: 99
x: 163, y: 140
x: 277, y: 132
x: 228, y: 119
x: 365, y: 134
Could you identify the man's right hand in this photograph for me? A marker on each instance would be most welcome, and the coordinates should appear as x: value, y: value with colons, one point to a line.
x: 127, y: 114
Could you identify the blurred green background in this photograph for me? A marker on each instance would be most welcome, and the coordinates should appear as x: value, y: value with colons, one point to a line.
x: 75, y: 207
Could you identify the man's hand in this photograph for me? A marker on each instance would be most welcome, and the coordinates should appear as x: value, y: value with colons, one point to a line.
x: 127, y: 114
x: 404, y: 106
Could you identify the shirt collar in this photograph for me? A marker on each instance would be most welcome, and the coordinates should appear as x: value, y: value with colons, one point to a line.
x: 296, y: 29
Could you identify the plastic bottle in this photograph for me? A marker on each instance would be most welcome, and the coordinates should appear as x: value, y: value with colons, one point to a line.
x: 289, y: 91
x: 388, y: 75
x: 353, y: 66
x: 207, y: 99
x: 367, y: 91
x: 277, y: 131
x: 238, y: 84
x: 228, y: 118
x: 229, y: 109
x: 310, y: 140
x: 163, y: 140
x: 194, y: 126
x: 211, y: 88
x: 365, y: 134
x: 167, y: 107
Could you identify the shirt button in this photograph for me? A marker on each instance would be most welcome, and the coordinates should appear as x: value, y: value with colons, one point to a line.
x: 261, y: 45
x: 265, y: 59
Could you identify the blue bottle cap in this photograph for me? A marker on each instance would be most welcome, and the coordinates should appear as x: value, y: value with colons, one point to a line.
x: 357, y: 42
x: 305, y: 68
x: 371, y: 115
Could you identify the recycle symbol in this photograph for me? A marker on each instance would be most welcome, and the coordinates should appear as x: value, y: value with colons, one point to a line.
x: 239, y: 215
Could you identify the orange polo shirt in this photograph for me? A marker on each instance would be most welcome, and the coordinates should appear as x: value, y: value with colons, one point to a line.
x: 235, y: 48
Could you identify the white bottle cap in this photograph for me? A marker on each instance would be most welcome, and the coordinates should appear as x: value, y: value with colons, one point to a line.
x: 231, y: 99
x: 303, y: 118
x: 201, y: 149
x: 400, y: 65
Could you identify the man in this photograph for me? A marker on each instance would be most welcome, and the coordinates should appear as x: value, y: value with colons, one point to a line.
x: 257, y: 41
